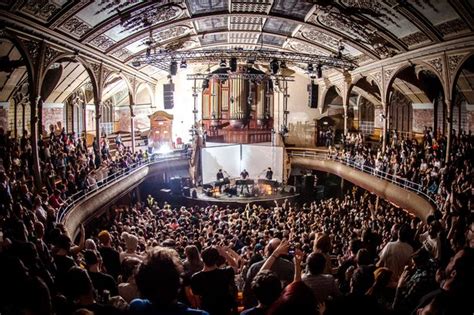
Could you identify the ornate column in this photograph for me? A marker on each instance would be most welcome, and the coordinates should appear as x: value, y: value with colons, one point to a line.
x: 344, y: 106
x: 385, y: 126
x: 34, y: 99
x: 132, y: 126
x: 449, y: 119
x: 97, y: 103
x: 40, y: 117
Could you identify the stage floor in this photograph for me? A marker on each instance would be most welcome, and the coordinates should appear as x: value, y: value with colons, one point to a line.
x: 242, y: 200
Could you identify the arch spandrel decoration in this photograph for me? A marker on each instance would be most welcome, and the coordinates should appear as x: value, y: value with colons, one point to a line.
x: 454, y: 66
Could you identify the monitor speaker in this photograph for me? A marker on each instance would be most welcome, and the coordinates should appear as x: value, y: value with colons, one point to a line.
x: 313, y: 95
x: 233, y: 64
x: 175, y: 185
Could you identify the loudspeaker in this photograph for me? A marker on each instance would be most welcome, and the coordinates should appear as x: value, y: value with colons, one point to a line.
x: 175, y: 185
x: 233, y: 64
x: 168, y: 95
x: 173, y: 67
x: 194, y: 194
x: 313, y: 95
x: 308, y: 183
x: 205, y: 84
x: 186, y: 191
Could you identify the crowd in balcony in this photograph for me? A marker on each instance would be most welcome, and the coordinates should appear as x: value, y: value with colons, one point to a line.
x: 419, y: 164
x: 355, y: 254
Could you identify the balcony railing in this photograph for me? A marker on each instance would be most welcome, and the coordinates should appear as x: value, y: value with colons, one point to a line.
x: 110, y: 179
x: 394, y: 179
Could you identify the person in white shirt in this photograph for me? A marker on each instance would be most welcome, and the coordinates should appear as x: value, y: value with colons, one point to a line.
x: 395, y: 255
x: 431, y: 241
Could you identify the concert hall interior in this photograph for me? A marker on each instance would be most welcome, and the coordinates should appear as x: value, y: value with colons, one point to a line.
x: 227, y: 157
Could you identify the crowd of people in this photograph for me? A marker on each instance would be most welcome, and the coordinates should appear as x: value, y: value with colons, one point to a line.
x: 356, y: 254
x: 420, y: 163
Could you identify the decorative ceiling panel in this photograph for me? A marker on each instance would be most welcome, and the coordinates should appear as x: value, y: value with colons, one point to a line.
x: 246, y: 23
x: 435, y: 11
x: 305, y: 48
x: 256, y: 6
x: 75, y: 27
x: 272, y: 40
x: 211, y: 24
x: 280, y: 26
x: 389, y: 18
x: 244, y: 38
x: 213, y: 39
x: 102, y: 42
x: 118, y: 33
x: 41, y: 10
x: 293, y: 8
x: 453, y: 27
x: 95, y: 13
x: 197, y: 7
x: 320, y: 38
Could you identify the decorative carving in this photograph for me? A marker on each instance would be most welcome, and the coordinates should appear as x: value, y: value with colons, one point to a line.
x: 452, y: 27
x: 437, y: 64
x: 344, y: 24
x: 76, y: 27
x: 363, y: 59
x: 121, y: 54
x: 306, y: 48
x: 453, y: 62
x: 149, y: 16
x: 387, y: 75
x: 321, y: 38
x: 42, y: 9
x: 33, y: 48
x: 169, y: 33
x: 377, y: 78
x: 251, y: 6
x: 95, y: 67
x: 69, y: 13
x: 102, y: 42
x: 415, y: 39
x: 50, y: 54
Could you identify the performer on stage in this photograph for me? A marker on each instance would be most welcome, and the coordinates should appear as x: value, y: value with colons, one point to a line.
x: 220, y: 175
x: 269, y: 174
x: 244, y: 174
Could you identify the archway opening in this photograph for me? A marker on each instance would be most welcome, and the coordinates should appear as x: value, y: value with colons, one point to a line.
x: 15, y: 107
x: 463, y: 98
x: 416, y: 102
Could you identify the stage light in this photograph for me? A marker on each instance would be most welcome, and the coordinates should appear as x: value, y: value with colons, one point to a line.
x: 283, y: 65
x: 223, y: 63
x: 183, y: 64
x: 164, y: 149
x: 148, y: 52
x: 274, y: 66
x: 136, y: 63
x: 310, y: 67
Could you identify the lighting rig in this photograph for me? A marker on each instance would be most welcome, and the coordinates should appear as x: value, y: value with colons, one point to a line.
x: 276, y: 59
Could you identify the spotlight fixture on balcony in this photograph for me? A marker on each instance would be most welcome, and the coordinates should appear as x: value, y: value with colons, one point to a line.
x: 223, y: 63
x: 183, y: 64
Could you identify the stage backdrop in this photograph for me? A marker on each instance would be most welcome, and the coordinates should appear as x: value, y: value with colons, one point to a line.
x: 234, y: 158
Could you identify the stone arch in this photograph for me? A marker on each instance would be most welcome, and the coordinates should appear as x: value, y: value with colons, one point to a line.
x: 391, y: 78
x: 462, y: 115
x: 145, y: 86
x: 457, y: 72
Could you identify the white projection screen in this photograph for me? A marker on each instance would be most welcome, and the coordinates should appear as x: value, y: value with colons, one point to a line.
x: 225, y: 157
x: 257, y: 158
x: 234, y: 158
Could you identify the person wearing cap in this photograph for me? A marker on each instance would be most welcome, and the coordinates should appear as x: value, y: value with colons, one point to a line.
x: 102, y: 282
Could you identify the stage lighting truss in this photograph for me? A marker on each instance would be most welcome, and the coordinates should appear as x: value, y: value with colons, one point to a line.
x: 162, y: 59
x: 256, y: 77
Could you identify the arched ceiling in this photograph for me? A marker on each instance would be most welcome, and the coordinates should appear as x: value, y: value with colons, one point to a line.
x: 368, y: 30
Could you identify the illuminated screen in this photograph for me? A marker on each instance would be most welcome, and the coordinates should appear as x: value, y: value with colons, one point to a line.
x: 234, y: 158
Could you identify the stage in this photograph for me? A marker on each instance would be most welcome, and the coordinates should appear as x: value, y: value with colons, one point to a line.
x: 239, y: 200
